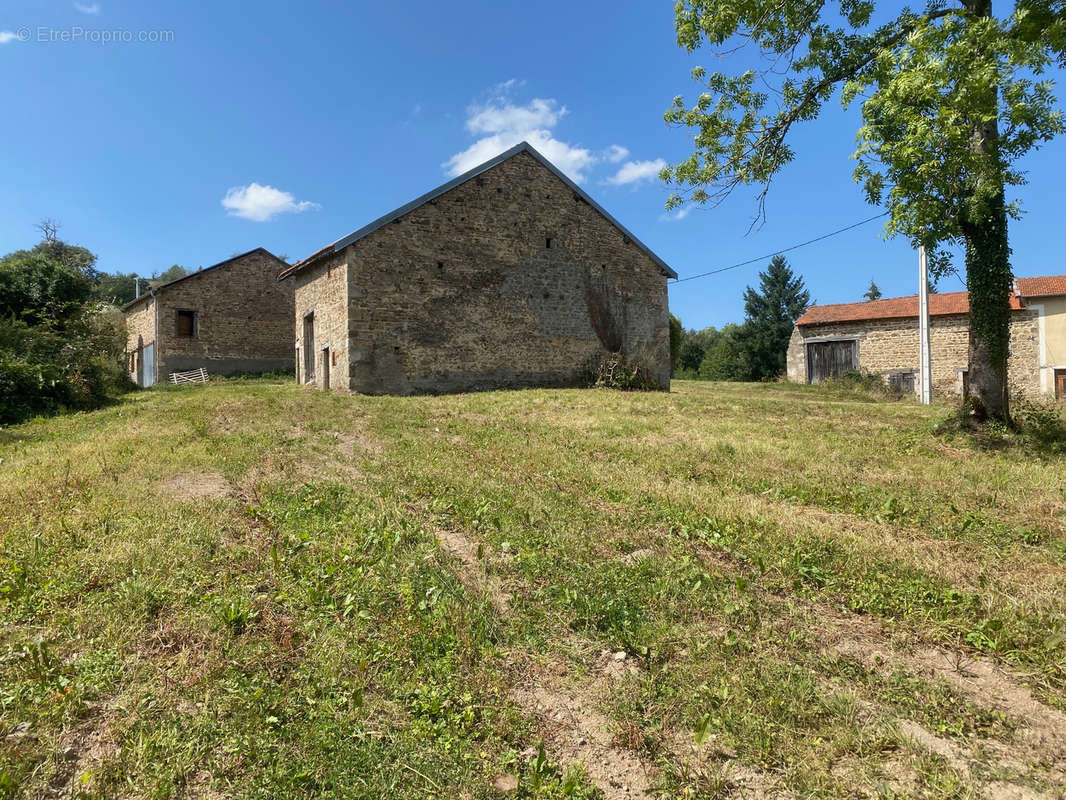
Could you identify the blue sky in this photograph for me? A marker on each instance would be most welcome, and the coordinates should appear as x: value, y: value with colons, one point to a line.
x: 287, y: 125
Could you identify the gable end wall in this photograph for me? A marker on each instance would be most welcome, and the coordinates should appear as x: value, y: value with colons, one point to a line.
x: 244, y: 319
x: 465, y: 292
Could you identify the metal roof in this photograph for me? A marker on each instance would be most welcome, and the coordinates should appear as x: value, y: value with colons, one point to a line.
x: 201, y: 271
x: 522, y: 147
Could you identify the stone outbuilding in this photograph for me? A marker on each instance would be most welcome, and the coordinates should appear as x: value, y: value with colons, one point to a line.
x: 508, y: 276
x: 881, y: 337
x: 228, y: 318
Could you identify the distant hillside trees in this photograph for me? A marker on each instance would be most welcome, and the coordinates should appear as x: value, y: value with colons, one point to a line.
x: 169, y: 274
x: 60, y: 346
x: 755, y: 350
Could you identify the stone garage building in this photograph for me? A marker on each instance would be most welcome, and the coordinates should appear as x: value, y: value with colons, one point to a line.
x: 228, y: 318
x: 507, y: 276
x: 881, y: 337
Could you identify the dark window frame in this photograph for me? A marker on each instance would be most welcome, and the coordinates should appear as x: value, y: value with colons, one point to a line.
x: 195, y: 316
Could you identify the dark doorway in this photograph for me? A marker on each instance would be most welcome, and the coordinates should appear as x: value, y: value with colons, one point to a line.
x: 309, y: 348
x: 831, y: 359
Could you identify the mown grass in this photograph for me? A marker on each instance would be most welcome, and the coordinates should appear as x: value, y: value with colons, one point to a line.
x: 239, y: 591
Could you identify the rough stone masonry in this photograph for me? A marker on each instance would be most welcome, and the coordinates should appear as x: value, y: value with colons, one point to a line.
x: 228, y: 318
x: 509, y: 276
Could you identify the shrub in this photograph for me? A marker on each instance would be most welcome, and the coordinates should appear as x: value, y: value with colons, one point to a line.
x: 864, y: 385
x: 45, y: 369
x: 615, y: 371
x: 1040, y: 424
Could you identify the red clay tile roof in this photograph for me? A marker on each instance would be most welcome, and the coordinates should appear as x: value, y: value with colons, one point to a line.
x: 893, y: 308
x: 1042, y: 286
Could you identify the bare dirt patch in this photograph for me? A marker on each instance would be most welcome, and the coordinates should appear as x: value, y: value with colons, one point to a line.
x: 82, y: 753
x: 1040, y: 739
x: 577, y: 732
x: 204, y: 485
x: 472, y: 571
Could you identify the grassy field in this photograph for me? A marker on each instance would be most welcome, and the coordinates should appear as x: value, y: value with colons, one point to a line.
x: 254, y: 590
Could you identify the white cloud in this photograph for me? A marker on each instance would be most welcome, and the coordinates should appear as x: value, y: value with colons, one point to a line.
x: 501, y: 124
x: 502, y: 117
x: 616, y: 153
x: 678, y: 215
x: 262, y: 203
x: 7, y: 36
x: 637, y: 171
x: 88, y: 8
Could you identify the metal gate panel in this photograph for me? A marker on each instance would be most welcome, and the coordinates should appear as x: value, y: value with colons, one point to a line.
x: 148, y: 365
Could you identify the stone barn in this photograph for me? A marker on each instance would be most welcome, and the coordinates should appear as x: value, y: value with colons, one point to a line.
x: 228, y: 318
x: 881, y: 337
x: 508, y: 276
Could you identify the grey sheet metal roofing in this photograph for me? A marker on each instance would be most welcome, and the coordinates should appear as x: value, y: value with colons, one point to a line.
x: 522, y: 147
x: 201, y: 271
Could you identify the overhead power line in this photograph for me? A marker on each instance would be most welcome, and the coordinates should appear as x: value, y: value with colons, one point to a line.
x: 782, y: 250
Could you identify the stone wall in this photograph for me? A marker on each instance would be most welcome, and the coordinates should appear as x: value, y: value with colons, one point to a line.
x: 510, y: 279
x: 1023, y: 364
x: 891, y: 345
x: 243, y: 319
x: 140, y: 332
x: 322, y: 290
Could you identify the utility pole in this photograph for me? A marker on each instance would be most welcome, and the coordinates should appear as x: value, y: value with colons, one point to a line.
x: 925, y: 369
x: 136, y: 287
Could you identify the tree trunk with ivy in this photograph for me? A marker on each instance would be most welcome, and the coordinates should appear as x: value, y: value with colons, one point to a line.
x: 988, y: 274
x: 988, y: 281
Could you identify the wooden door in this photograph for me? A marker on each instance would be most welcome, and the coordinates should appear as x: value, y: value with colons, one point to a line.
x: 831, y: 359
x: 1060, y: 384
x: 309, y: 348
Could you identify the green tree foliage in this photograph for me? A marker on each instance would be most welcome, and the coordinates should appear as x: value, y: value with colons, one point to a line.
x: 873, y: 293
x: 59, y: 348
x: 38, y: 289
x: 694, y: 345
x: 166, y: 276
x: 676, y: 335
x: 727, y: 358
x: 116, y: 289
x: 770, y: 314
x: 951, y: 97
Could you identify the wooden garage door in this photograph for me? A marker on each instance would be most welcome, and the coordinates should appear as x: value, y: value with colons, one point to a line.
x: 831, y: 359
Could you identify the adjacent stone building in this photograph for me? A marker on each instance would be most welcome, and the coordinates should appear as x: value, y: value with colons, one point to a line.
x: 231, y: 317
x: 508, y: 276
x: 881, y: 337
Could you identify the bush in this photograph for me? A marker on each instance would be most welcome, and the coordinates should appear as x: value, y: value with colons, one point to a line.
x: 45, y: 369
x: 864, y: 384
x: 1040, y: 424
x: 615, y: 371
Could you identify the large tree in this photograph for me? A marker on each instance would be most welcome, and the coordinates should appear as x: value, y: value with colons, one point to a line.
x: 769, y: 316
x: 951, y: 97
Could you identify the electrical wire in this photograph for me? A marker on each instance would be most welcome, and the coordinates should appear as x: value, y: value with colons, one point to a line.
x: 783, y: 250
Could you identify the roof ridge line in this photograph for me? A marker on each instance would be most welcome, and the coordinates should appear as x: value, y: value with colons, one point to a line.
x: 523, y: 146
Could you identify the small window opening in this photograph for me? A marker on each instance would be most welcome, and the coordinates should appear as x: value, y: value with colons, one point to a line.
x: 186, y: 323
x: 548, y: 243
x: 440, y: 265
